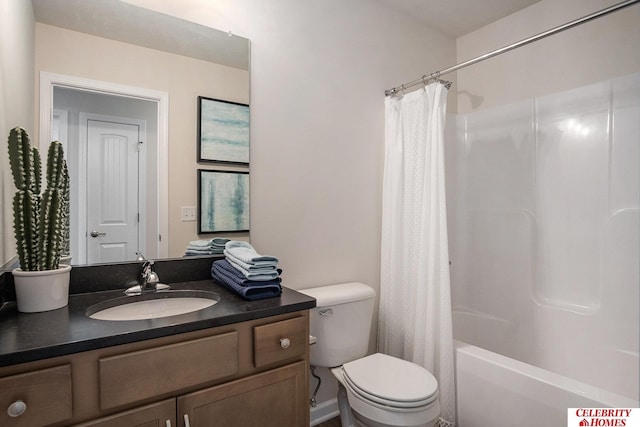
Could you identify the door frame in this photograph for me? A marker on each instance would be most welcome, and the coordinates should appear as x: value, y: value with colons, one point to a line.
x: 50, y: 80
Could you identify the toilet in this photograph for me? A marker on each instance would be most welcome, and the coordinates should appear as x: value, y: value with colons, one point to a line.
x: 376, y: 390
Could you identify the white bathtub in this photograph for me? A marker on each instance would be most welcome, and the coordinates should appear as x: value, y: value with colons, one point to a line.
x: 496, y: 391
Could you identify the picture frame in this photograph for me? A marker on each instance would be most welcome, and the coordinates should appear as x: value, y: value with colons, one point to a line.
x: 223, y: 131
x: 223, y: 201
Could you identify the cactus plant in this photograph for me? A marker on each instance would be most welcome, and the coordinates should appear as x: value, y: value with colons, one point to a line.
x: 38, y: 219
x: 65, y: 247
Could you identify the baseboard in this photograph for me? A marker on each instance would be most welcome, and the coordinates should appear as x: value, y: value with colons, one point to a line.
x: 324, y: 411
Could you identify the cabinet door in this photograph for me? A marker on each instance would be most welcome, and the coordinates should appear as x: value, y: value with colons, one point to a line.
x: 275, y: 398
x: 160, y: 414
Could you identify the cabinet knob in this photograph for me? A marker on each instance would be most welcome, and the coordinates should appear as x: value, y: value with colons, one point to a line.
x: 285, y: 342
x: 17, y: 408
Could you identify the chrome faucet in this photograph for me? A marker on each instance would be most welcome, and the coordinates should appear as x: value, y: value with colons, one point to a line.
x: 149, y: 277
x: 149, y: 281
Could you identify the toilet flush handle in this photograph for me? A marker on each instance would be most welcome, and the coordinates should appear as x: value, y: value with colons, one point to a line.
x: 326, y: 312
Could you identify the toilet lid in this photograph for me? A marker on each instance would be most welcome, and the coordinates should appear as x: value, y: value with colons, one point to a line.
x: 391, y: 381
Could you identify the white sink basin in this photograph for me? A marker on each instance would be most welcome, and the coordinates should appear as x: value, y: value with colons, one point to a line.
x: 152, y: 306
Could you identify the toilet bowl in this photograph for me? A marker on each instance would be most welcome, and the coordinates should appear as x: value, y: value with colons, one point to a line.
x: 387, y: 391
x: 376, y: 390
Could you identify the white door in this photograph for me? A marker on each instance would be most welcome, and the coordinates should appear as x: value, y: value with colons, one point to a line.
x: 114, y: 230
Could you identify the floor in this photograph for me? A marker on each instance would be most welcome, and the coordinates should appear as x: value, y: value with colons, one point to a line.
x: 333, y: 422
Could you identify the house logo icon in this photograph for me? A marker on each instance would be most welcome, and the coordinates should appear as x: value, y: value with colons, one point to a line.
x: 584, y: 422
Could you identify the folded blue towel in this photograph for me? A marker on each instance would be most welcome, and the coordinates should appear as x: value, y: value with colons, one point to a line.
x: 197, y: 249
x: 214, y: 246
x: 219, y: 242
x: 244, y: 252
x: 260, y: 267
x: 255, y: 275
x: 252, y: 293
x: 202, y: 251
x: 251, y: 290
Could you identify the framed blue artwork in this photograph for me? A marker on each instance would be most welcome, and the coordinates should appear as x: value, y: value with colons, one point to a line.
x: 223, y: 131
x: 223, y: 201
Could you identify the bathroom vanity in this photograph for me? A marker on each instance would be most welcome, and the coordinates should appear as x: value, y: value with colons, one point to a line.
x: 237, y: 363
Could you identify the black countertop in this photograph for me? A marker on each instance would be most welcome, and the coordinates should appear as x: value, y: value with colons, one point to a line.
x: 25, y: 337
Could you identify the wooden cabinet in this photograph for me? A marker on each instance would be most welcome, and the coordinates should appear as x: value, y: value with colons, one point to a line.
x: 276, y: 398
x: 252, y: 373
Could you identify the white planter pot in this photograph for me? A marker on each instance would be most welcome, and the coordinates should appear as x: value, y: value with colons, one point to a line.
x: 42, y: 290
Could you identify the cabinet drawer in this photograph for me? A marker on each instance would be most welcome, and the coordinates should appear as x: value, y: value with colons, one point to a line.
x: 280, y: 341
x: 46, y: 393
x: 144, y: 374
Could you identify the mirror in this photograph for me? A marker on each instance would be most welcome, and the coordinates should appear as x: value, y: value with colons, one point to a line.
x: 119, y: 54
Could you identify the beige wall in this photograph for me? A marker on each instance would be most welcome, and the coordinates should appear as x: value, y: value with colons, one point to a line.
x: 71, y: 53
x: 320, y: 152
x: 318, y: 75
x: 593, y: 52
x: 16, y: 106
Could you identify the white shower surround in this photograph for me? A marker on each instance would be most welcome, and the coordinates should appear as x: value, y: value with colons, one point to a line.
x: 545, y: 236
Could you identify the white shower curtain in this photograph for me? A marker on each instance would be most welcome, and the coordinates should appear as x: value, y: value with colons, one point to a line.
x: 415, y: 300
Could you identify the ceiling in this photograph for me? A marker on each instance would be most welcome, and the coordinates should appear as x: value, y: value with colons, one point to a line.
x: 458, y: 17
x: 122, y: 21
x: 119, y: 20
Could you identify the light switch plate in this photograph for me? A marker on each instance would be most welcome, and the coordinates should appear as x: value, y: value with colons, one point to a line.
x: 188, y: 213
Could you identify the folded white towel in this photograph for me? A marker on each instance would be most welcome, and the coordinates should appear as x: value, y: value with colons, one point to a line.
x: 244, y: 252
x: 263, y: 273
x: 200, y: 243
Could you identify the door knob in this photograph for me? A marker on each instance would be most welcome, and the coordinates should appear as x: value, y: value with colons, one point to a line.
x: 95, y: 233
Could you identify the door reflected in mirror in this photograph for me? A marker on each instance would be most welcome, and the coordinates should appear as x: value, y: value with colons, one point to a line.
x: 115, y: 143
x: 112, y: 163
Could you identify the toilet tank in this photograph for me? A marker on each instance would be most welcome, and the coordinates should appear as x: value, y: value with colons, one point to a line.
x: 341, y: 322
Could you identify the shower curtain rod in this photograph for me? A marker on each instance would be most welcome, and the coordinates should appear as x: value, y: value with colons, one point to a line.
x: 436, y: 75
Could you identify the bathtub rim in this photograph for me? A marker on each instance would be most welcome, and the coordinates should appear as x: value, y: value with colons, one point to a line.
x: 606, y: 398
